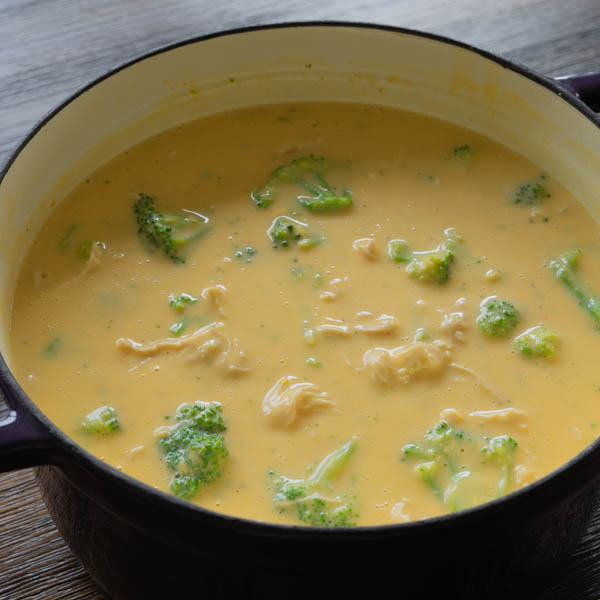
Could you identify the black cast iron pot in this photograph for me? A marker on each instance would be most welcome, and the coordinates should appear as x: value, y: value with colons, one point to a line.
x: 137, y: 542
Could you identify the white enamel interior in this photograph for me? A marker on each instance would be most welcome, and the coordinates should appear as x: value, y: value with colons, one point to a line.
x: 351, y: 64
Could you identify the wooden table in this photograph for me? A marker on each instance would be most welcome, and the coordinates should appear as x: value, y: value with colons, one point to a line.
x: 49, y: 48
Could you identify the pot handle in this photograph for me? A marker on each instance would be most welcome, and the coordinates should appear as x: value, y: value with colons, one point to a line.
x: 24, y: 440
x: 586, y: 87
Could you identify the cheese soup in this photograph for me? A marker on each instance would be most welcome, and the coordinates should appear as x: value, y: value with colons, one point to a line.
x: 317, y: 314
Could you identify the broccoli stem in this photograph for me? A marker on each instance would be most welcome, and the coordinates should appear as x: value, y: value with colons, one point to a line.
x: 427, y: 472
x: 65, y: 239
x: 309, y: 497
x: 565, y: 268
x: 332, y: 463
x: 306, y: 172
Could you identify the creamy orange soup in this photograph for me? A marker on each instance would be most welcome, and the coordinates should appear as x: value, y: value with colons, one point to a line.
x: 355, y: 316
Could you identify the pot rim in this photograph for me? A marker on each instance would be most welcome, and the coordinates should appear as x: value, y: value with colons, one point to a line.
x: 69, y: 451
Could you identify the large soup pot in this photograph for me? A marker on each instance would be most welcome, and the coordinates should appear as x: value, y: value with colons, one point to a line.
x: 137, y: 542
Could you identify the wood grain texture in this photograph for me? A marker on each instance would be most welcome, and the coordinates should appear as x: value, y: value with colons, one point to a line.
x: 49, y: 48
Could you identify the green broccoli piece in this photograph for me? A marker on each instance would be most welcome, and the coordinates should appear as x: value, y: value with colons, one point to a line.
x: 537, y: 341
x: 169, y: 232
x: 246, y: 253
x: 310, y: 336
x: 317, y: 512
x: 427, y: 472
x: 420, y: 335
x: 305, y: 172
x: 448, y: 462
x: 497, y: 318
x: 414, y: 450
x: 52, y: 348
x: 84, y: 250
x: 439, y: 454
x: 194, y: 447
x: 570, y: 258
x: 180, y: 302
x: 285, y: 231
x: 66, y: 238
x: 102, y: 420
x: 177, y: 328
x: 530, y: 193
x: 434, y: 266
x: 311, y: 498
x: 431, y: 266
x: 565, y: 268
x: 501, y: 450
x: 442, y: 434
x: 398, y: 251
x: 464, y: 152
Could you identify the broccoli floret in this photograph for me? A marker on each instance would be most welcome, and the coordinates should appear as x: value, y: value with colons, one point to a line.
x: 285, y: 231
x: 501, y: 450
x: 194, y: 447
x: 102, y: 420
x: 448, y: 461
x: 311, y: 498
x: 497, y: 318
x: 439, y: 453
x: 320, y: 513
x: 169, y: 232
x: 565, y: 268
x: 180, y: 302
x: 530, y: 193
x: 443, y: 434
x: 306, y: 172
x: 434, y: 266
x: 414, y: 450
x: 537, y: 341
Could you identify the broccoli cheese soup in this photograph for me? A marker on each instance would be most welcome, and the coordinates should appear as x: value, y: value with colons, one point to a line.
x: 317, y: 314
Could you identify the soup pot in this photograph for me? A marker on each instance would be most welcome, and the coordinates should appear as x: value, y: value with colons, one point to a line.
x: 138, y: 542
